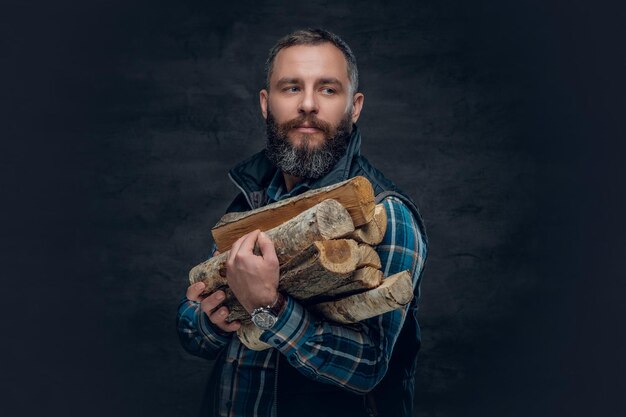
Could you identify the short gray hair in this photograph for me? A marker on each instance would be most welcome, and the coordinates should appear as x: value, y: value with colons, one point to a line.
x: 313, y: 37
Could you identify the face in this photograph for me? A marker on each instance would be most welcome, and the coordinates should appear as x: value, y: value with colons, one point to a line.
x: 309, y: 109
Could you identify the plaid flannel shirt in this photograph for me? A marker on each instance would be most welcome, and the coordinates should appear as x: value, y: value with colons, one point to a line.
x: 353, y: 357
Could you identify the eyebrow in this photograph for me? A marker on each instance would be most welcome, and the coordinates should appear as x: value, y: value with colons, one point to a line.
x: 287, y: 80
x: 330, y: 81
x: 290, y: 80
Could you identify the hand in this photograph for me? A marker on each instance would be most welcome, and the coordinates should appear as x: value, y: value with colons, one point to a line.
x: 208, y: 304
x: 253, y: 278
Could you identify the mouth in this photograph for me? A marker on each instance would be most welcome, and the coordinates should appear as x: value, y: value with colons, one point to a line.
x: 306, y: 129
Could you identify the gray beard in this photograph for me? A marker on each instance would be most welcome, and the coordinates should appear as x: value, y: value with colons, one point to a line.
x: 301, y: 161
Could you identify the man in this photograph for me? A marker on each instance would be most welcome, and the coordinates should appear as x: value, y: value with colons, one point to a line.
x: 315, y: 367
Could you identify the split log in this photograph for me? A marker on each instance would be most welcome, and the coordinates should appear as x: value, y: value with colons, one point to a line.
x: 327, y: 220
x: 373, y: 231
x: 368, y: 257
x: 355, y: 194
x: 363, y: 279
x: 396, y: 291
x: 343, y: 254
x: 323, y: 266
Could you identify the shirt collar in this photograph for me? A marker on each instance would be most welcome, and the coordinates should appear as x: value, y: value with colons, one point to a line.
x: 276, y: 190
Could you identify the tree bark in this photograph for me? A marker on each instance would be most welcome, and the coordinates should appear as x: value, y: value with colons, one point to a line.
x: 363, y: 279
x: 355, y: 194
x: 323, y: 266
x: 327, y: 220
x: 318, y: 269
x: 395, y: 291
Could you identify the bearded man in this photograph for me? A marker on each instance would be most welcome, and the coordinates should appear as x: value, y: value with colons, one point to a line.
x: 315, y: 367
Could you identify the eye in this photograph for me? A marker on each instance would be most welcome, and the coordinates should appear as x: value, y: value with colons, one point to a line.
x: 328, y: 90
x: 291, y: 89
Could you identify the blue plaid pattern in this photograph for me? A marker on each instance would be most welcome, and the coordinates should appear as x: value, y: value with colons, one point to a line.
x: 276, y: 190
x: 354, y: 357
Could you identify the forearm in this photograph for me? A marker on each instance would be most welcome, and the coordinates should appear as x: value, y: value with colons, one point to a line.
x: 352, y: 357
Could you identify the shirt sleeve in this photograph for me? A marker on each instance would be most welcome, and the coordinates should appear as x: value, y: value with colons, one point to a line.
x: 197, y: 334
x: 354, y: 357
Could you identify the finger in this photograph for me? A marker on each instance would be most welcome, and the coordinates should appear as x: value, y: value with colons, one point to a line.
x: 232, y: 326
x: 247, y: 245
x: 219, y: 316
x: 219, y: 319
x: 235, y: 247
x: 212, y: 301
x: 194, y: 291
x: 267, y: 247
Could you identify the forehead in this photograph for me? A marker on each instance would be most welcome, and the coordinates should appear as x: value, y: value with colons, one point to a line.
x: 310, y: 61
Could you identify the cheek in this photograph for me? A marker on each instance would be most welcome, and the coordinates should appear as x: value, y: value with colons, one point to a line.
x: 283, y: 109
x: 335, y: 112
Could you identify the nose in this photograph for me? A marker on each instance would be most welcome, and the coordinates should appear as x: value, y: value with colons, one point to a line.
x: 308, y: 103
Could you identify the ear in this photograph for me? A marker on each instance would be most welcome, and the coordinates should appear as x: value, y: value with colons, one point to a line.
x: 263, y: 97
x: 357, y: 105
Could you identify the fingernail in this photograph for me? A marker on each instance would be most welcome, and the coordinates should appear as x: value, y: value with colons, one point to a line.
x: 222, y: 313
x: 199, y: 284
x: 219, y: 295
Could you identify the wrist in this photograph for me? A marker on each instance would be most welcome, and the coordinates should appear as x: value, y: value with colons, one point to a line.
x: 279, y: 304
x: 265, y: 317
x: 266, y: 300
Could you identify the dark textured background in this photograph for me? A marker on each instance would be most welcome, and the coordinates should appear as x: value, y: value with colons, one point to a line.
x: 504, y: 120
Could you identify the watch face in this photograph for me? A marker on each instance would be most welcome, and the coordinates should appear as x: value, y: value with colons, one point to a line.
x: 264, y: 320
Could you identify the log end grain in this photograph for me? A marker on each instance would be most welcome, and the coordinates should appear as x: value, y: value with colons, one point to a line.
x: 340, y: 255
x: 398, y: 288
x: 372, y: 232
x: 368, y: 257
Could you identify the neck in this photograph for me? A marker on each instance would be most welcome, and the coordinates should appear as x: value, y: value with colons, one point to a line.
x: 290, y: 181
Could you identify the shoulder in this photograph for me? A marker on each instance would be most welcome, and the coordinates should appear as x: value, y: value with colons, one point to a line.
x: 239, y: 203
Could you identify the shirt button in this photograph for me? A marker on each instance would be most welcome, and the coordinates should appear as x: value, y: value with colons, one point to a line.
x: 277, y: 341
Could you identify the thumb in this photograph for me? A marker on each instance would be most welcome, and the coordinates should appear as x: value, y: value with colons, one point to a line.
x: 267, y: 247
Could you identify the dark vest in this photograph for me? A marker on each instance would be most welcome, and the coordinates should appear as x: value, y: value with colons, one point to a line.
x: 298, y: 395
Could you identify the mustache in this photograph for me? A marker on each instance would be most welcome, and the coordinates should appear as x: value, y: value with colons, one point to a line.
x: 309, y: 120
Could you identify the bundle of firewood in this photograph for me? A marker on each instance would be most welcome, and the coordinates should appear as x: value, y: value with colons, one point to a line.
x: 323, y: 240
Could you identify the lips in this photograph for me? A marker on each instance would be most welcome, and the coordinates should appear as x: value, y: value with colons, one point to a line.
x: 307, y: 129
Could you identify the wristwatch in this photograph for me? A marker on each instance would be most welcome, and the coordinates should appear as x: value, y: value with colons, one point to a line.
x: 266, y: 317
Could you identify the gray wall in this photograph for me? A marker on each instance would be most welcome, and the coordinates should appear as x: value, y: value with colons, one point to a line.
x: 494, y: 116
